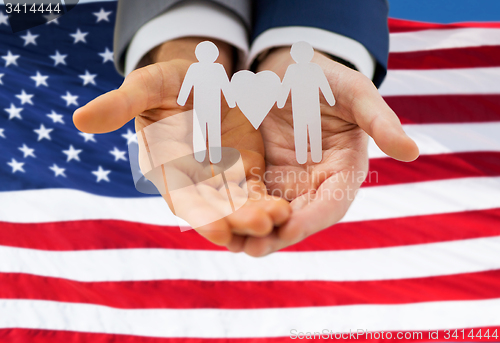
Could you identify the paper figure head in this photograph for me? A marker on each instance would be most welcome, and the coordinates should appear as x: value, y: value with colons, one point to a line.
x: 206, y: 52
x: 302, y: 52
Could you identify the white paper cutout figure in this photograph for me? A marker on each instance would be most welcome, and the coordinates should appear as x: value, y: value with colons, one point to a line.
x: 304, y: 80
x: 256, y: 94
x: 207, y: 79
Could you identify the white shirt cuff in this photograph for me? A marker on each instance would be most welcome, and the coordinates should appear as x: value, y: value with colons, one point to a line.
x: 322, y: 40
x: 188, y: 19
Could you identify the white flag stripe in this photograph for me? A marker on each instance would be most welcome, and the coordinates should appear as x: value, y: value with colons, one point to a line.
x: 401, y: 262
x: 442, y: 81
x: 443, y: 39
x: 402, y: 200
x: 425, y: 198
x: 434, y: 139
x: 230, y: 323
x: 54, y: 205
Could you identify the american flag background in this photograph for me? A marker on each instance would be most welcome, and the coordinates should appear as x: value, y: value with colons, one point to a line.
x: 84, y: 257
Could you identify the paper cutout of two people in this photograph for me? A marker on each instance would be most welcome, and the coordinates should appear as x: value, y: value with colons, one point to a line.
x: 304, y: 80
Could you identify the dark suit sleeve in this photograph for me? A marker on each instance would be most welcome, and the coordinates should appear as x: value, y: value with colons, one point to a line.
x: 131, y: 15
x: 362, y: 20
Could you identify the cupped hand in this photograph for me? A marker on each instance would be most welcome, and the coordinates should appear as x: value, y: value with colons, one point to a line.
x: 320, y: 193
x: 150, y: 95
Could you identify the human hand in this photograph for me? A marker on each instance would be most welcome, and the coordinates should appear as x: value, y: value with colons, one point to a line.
x: 320, y: 194
x: 149, y: 95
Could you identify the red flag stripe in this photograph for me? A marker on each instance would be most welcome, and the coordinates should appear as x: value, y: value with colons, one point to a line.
x: 401, y: 25
x: 387, y: 171
x: 441, y: 109
x: 100, y: 234
x: 109, y: 234
x: 473, y: 57
x: 17, y: 335
x: 239, y: 294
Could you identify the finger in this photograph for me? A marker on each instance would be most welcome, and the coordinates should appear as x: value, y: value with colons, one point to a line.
x: 217, y: 232
x: 388, y: 134
x: 247, y: 219
x: 359, y: 96
x: 140, y: 91
x: 250, y: 220
x: 262, y: 246
x: 377, y: 119
x: 292, y: 232
x: 327, y: 206
x: 312, y: 212
x: 236, y: 244
x: 206, y: 219
x: 277, y: 208
x: 302, y: 223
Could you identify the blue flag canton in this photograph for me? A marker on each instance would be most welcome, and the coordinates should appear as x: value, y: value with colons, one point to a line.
x: 46, y: 73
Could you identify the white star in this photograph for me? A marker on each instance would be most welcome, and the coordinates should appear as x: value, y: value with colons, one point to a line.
x: 58, y: 171
x: 107, y: 55
x: 40, y: 79
x: 52, y: 18
x: 79, y: 36
x: 16, y: 166
x: 29, y: 38
x: 56, y: 118
x: 130, y: 136
x: 25, y: 98
x: 102, y: 15
x: 43, y: 132
x: 118, y: 154
x: 14, y: 112
x: 70, y: 99
x: 10, y: 59
x: 72, y: 153
x: 1, y: 82
x: 58, y: 58
x: 1, y: 133
x: 27, y: 151
x: 88, y: 78
x: 4, y: 19
x: 87, y: 136
x: 101, y: 174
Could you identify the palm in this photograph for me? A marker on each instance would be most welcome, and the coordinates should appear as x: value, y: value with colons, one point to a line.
x: 344, y: 151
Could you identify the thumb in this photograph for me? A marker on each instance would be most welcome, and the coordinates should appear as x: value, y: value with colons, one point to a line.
x: 375, y: 117
x: 139, y: 92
